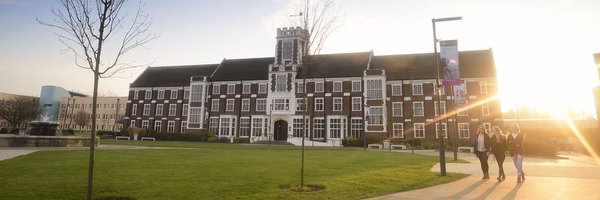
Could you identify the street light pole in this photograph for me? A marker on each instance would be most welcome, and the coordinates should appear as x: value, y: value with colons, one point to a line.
x: 439, y: 89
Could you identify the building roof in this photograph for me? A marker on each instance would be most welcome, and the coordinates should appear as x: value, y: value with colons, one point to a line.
x: 337, y: 65
x: 473, y: 64
x: 243, y: 69
x: 170, y: 76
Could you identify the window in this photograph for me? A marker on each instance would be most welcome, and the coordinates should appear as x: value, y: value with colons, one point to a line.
x: 462, y: 112
x: 299, y: 87
x: 246, y: 105
x: 183, y: 126
x: 227, y: 126
x: 318, y: 127
x: 184, y: 110
x: 297, y: 127
x: 132, y: 123
x: 335, y: 127
x: 158, y: 126
x: 281, y: 83
x: 319, y: 87
x: 287, y: 50
x: 186, y: 93
x: 245, y: 126
x: 145, y: 124
x: 356, y: 127
x: 214, y: 106
x: 463, y: 130
x: 197, y: 93
x: 216, y: 89
x: 262, y: 88
x: 147, y: 96
x: 444, y: 129
x: 171, y: 127
x: 258, y: 126
x: 214, y: 125
x: 488, y: 127
x: 161, y: 94
x: 173, y: 94
x: 195, y: 115
x: 231, y: 89
x: 356, y: 104
x: 281, y: 104
x: 417, y: 89
x: 146, y: 109
x: 374, y: 90
x: 134, y: 109
x: 483, y: 87
x: 246, y: 89
x: 375, y: 115
x: 135, y: 95
x: 229, y: 105
x: 337, y: 86
x: 398, y: 130
x: 485, y: 109
x: 396, y: 90
x: 159, y: 109
x: 172, y: 109
x: 300, y: 104
x: 397, y: 110
x: 261, y: 104
x: 418, y: 109
x: 337, y: 104
x: 419, y: 130
x: 439, y: 106
x: 356, y: 86
x: 319, y: 104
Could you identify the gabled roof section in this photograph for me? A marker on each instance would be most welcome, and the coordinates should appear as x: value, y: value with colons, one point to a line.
x: 169, y: 76
x: 473, y: 64
x: 337, y: 65
x: 243, y: 69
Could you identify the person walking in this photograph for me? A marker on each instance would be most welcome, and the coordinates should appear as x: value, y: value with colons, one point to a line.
x: 499, y: 147
x: 516, y: 149
x: 482, y: 150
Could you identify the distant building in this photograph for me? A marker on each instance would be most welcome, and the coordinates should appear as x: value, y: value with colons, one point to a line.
x: 109, y: 113
x: 50, y: 98
x: 262, y: 99
x: 5, y: 98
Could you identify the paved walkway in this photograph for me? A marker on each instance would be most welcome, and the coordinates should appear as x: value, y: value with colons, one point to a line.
x: 546, y: 178
x: 11, y: 152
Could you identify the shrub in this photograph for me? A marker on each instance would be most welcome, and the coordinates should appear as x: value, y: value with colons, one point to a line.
x: 3, y: 130
x: 241, y: 140
x: 190, y: 137
x: 211, y: 137
x: 14, y: 131
x: 223, y: 140
x: 539, y: 148
x: 352, y: 142
x: 68, y: 132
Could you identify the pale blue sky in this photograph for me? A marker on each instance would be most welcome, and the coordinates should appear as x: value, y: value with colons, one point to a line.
x: 543, y: 48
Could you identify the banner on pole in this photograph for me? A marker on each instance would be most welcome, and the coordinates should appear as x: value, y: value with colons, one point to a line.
x: 367, y: 113
x: 449, y: 62
x: 460, y: 95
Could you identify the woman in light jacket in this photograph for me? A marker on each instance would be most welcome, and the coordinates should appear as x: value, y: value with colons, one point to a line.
x: 515, y: 147
x: 499, y: 148
x: 482, y: 149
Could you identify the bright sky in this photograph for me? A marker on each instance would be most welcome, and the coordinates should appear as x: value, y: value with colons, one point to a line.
x: 542, y: 48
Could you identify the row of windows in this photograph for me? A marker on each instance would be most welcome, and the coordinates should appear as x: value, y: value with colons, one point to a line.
x: 283, y: 104
x: 99, y: 116
x: 89, y: 127
x: 161, y: 94
x: 262, y: 88
x: 89, y: 106
x: 419, y: 109
x: 159, y: 108
x: 157, y: 126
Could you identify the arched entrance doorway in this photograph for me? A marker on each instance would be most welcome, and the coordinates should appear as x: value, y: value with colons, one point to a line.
x: 281, y: 130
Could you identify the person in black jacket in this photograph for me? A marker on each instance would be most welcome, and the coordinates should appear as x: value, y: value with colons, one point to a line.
x: 515, y: 147
x: 499, y: 148
x: 482, y: 149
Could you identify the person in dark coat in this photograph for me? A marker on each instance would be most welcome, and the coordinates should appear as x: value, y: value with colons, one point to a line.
x: 499, y: 148
x: 482, y: 149
x: 516, y: 149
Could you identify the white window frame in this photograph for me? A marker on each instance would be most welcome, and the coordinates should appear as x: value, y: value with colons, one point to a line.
x: 356, y: 127
x: 419, y: 130
x: 300, y: 105
x: 338, y: 104
x: 319, y: 104
x: 213, y: 125
x: 246, y: 89
x: 397, y: 109
x: 319, y: 87
x: 146, y: 110
x: 171, y: 127
x: 375, y: 89
x: 134, y: 109
x: 183, y: 127
x: 376, y: 115
x: 258, y: 125
x: 174, y: 94
x: 159, y: 110
x: 338, y: 86
x: 335, y: 129
x: 230, y: 88
x: 136, y: 95
x: 415, y: 109
x: 185, y: 110
x: 158, y: 126
x: 442, y: 108
x: 147, y: 95
x: 416, y: 91
x: 396, y: 89
x: 230, y: 105
x: 186, y: 93
x: 356, y: 103
x: 398, y: 130
x: 485, y: 109
x: 262, y: 88
x: 463, y: 128
x: 245, y: 105
x: 488, y: 127
x: 160, y: 94
x: 172, y: 109
x: 318, y: 128
x: 444, y: 127
x: 300, y: 87
x: 195, y: 113
x: 245, y: 126
x: 216, y: 89
x: 356, y: 86
x: 196, y: 93
x: 261, y: 104
x: 214, y: 105
x: 297, y: 127
x: 145, y: 124
x: 281, y: 82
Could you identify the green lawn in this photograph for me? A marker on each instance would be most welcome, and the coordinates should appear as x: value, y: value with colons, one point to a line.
x: 215, y: 171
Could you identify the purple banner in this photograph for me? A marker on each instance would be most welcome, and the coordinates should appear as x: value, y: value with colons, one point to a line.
x: 449, y: 62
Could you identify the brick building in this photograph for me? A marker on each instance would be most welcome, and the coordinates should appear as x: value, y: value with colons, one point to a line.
x: 109, y: 112
x: 262, y: 98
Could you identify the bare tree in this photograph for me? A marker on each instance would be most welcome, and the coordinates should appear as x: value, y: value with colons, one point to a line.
x: 19, y: 109
x: 82, y: 118
x: 87, y: 28
x: 319, y: 18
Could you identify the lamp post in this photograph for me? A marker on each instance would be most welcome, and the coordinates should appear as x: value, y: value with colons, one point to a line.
x: 439, y: 89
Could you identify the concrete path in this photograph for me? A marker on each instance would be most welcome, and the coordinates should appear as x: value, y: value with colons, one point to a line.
x: 11, y: 152
x: 546, y: 178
